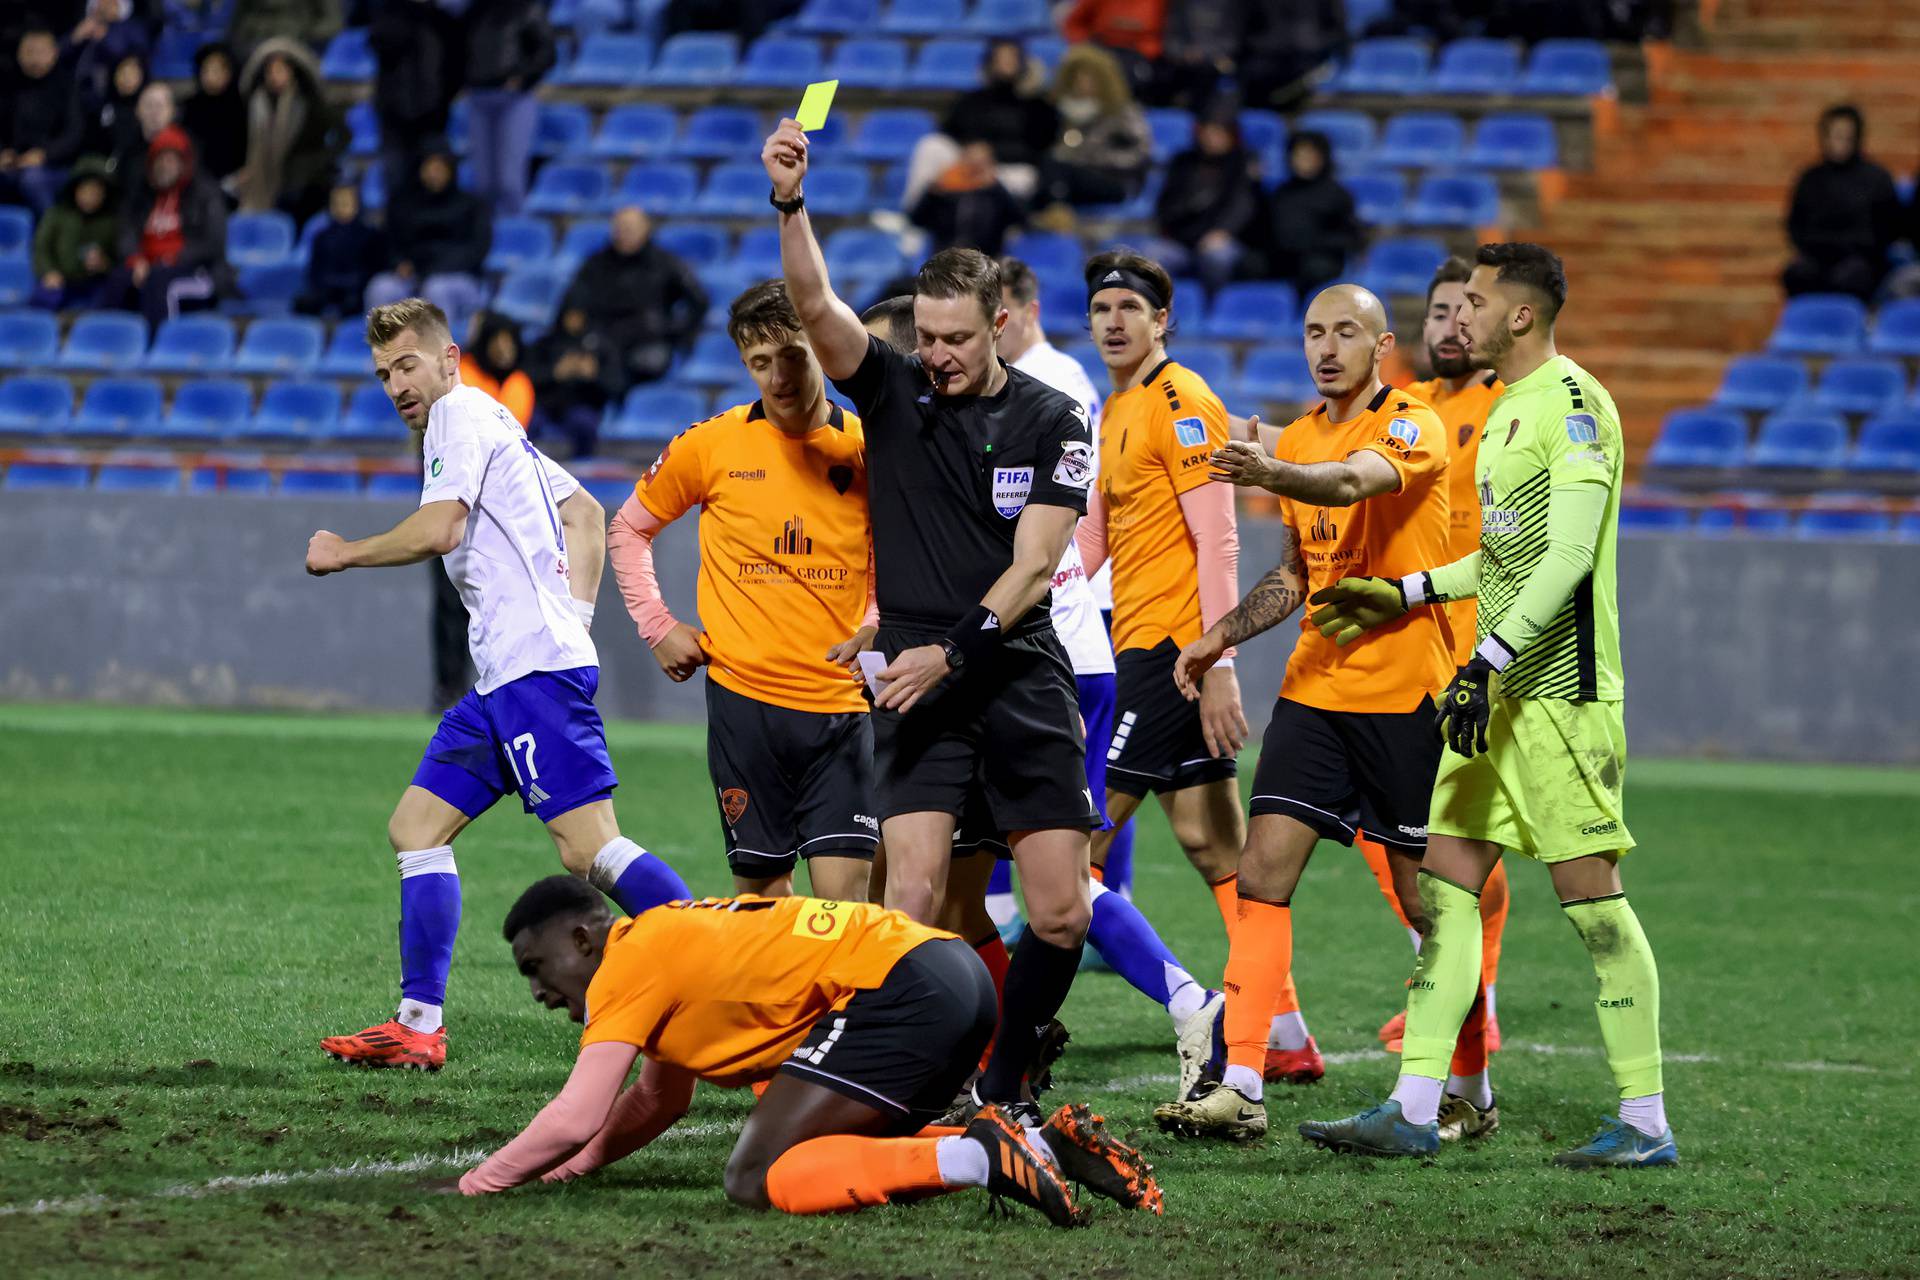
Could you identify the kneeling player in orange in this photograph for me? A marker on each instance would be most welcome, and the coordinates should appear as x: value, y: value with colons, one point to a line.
x: 862, y: 1023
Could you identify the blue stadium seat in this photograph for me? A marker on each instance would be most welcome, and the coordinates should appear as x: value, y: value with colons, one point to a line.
x: 346, y: 355
x: 363, y: 128
x: 1051, y: 254
x: 280, y: 346
x: 459, y: 122
x: 1455, y: 200
x: 1264, y: 135
x: 1351, y: 133
x: 16, y: 281
x: 838, y: 17
x: 861, y: 253
x: 1172, y: 129
x: 569, y: 189
x: 699, y: 244
x: 373, y: 188
x: 192, y: 344
x: 1008, y: 18
x: 1379, y: 198
x: 713, y: 362
x: 125, y: 478
x: 173, y: 53
x: 296, y: 411
x: 25, y: 476
x: 1421, y: 140
x: 1402, y: 265
x: 1761, y: 384
x: 1046, y: 50
x: 1907, y: 527
x: 259, y: 239
x: 119, y: 407
x: 582, y: 241
x: 720, y: 133
x: 660, y: 413
x: 840, y: 190
x: 635, y: 129
x: 780, y: 62
x: 394, y: 485
x: 608, y: 58
x: 888, y: 135
x: 1797, y: 441
x: 16, y: 231
x: 211, y: 407
x: 758, y: 253
x: 1638, y: 517
x: 923, y: 17
x: 562, y: 129
x: 231, y: 473
x: 531, y: 297
x: 585, y: 17
x: 1212, y: 362
x: 1277, y: 373
x: 891, y: 191
x: 348, y: 56
x: 1820, y: 324
x: 307, y: 483
x: 1859, y: 386
x: 1476, y: 66
x: 697, y: 59
x: 270, y: 290
x: 1568, y: 67
x: 34, y: 403
x: 1822, y: 526
x: 1394, y: 64
x: 370, y: 416
x: 665, y: 187
x: 1514, y: 140
x: 1700, y: 438
x: 28, y: 338
x: 733, y: 191
x: 1262, y: 311
x: 1896, y: 330
x: 947, y: 64
x: 519, y: 241
x: 104, y: 340
x: 1889, y: 443
x: 869, y: 62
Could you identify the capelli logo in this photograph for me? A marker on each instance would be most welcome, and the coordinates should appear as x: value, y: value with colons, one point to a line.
x: 759, y: 473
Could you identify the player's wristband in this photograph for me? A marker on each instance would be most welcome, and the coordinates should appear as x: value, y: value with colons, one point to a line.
x: 976, y: 635
x: 1418, y: 590
x: 1495, y: 651
x: 583, y: 609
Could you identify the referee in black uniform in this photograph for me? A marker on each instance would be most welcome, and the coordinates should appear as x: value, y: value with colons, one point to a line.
x: 976, y: 476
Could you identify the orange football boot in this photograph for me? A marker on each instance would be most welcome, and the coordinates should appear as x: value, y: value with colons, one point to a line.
x: 1294, y: 1066
x: 391, y: 1044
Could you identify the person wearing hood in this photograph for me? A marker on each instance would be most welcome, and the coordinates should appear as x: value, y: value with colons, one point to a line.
x: 509, y: 47
x: 173, y: 236
x: 347, y: 252
x: 293, y: 132
x: 493, y: 362
x: 74, y: 241
x: 1312, y: 224
x: 1105, y: 146
x: 216, y: 116
x: 645, y: 301
x: 439, y: 236
x: 1844, y: 217
x: 110, y: 127
x: 1211, y: 201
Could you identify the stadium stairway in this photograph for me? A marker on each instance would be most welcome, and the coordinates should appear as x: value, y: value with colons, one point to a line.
x: 1674, y: 239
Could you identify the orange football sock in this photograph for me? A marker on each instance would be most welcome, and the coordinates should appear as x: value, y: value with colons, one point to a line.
x: 1097, y: 872
x: 1376, y: 855
x: 1493, y: 923
x: 1470, y: 1048
x: 842, y: 1173
x: 1259, y: 956
x: 1226, y: 897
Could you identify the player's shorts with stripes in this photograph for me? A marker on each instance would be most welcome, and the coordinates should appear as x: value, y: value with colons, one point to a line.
x: 1548, y: 785
x: 1340, y: 772
x: 789, y: 784
x: 1157, y: 744
x: 907, y: 1046
x: 539, y: 735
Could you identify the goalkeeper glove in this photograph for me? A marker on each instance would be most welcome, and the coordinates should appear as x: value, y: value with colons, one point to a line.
x: 1356, y: 605
x: 1465, y: 707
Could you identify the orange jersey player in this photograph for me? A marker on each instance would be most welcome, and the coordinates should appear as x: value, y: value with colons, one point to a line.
x: 860, y: 1023
x: 785, y: 557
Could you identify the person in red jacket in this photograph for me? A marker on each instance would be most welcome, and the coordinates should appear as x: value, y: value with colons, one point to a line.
x: 173, y: 235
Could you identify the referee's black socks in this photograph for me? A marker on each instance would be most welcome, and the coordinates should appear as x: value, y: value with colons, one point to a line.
x: 1038, y: 980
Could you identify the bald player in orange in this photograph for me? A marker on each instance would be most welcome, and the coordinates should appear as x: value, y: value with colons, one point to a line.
x: 1362, y: 480
x: 859, y: 1022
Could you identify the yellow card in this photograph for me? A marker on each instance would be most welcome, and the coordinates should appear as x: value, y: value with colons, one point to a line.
x: 813, y: 107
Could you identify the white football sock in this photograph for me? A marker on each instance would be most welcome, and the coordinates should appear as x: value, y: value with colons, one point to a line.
x: 963, y: 1162
x: 420, y: 1017
x: 1288, y: 1031
x: 1039, y: 1142
x: 1476, y: 1088
x: 1413, y: 934
x: 1244, y: 1081
x: 1648, y: 1114
x: 1490, y: 1006
x: 1419, y: 1099
x: 1187, y: 996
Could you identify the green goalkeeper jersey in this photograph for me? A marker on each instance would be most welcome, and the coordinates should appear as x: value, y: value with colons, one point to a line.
x: 1556, y: 426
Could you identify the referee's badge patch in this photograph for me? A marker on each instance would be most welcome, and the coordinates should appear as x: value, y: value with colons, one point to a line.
x: 1010, y: 488
x: 1405, y: 430
x: 1075, y: 468
x: 1190, y: 432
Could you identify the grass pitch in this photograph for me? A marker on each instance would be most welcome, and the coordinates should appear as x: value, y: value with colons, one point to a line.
x: 192, y: 899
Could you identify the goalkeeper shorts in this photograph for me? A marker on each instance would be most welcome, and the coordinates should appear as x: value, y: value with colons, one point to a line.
x: 1548, y: 785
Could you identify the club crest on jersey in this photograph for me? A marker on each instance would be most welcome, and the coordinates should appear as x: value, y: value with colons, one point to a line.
x: 1405, y: 430
x: 434, y: 470
x: 1582, y: 429
x: 1075, y: 468
x: 841, y: 478
x: 1010, y: 488
x: 733, y: 803
x: 1190, y: 432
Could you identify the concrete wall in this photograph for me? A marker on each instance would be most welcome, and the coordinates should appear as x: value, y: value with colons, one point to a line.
x: 1797, y: 651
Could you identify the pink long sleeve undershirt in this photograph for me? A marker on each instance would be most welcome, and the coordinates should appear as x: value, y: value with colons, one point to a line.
x: 630, y: 550
x: 1215, y: 531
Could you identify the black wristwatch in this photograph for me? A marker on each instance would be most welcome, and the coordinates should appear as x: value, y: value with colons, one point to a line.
x: 955, y: 658
x: 788, y: 207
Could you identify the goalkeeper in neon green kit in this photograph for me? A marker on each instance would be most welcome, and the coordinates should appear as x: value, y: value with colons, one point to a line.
x: 1537, y: 744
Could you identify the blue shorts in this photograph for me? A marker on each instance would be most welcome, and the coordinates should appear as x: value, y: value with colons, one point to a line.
x: 539, y: 735
x: 1096, y: 708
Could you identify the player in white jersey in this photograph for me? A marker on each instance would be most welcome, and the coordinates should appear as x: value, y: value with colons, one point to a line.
x: 504, y: 518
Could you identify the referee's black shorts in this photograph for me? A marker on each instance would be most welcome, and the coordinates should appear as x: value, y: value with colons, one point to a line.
x: 1157, y: 743
x: 1339, y: 772
x: 1003, y: 735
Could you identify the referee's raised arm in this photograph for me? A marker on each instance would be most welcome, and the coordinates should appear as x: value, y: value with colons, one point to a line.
x: 838, y: 338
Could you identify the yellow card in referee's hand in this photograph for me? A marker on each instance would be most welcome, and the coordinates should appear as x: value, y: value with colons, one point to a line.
x: 813, y: 107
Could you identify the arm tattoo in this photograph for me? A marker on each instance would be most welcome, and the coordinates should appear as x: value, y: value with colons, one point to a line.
x: 1273, y: 599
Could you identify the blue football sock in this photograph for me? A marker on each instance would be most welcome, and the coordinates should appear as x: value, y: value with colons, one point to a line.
x: 635, y: 879
x: 429, y: 919
x: 1128, y: 943
x: 1120, y: 859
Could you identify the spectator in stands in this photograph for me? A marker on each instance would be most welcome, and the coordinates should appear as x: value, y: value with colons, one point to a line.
x: 1845, y: 215
x: 1311, y: 225
x: 39, y: 127
x: 110, y: 125
x: 347, y: 252
x: 294, y: 135
x: 1211, y: 202
x: 968, y: 207
x: 419, y: 55
x: 1200, y: 47
x: 1130, y: 29
x: 74, y: 241
x: 1007, y: 112
x: 1105, y: 146
x: 215, y: 115
x: 492, y: 362
x: 311, y: 22
x: 643, y: 300
x: 439, y: 238
x: 509, y: 48
x: 100, y: 44
x: 575, y: 375
x: 173, y: 236
x: 1289, y: 39
x: 748, y: 19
